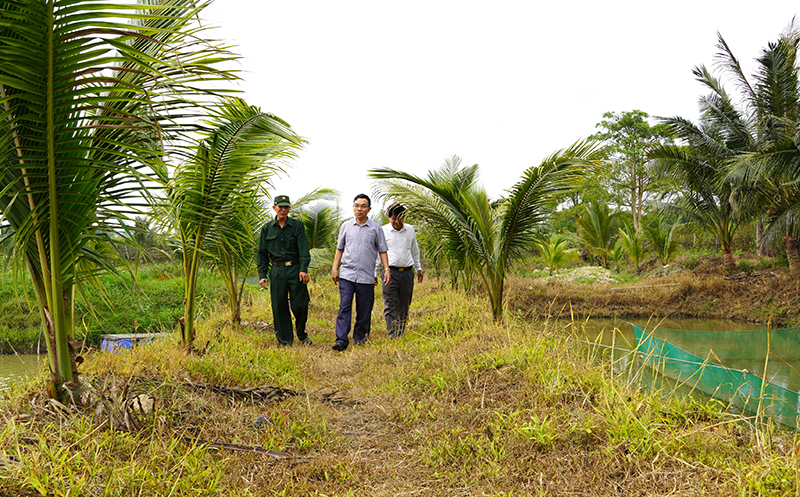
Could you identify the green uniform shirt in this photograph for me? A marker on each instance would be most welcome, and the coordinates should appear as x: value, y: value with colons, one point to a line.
x: 285, y: 244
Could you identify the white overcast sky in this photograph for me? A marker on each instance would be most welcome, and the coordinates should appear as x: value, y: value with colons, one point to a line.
x: 501, y: 83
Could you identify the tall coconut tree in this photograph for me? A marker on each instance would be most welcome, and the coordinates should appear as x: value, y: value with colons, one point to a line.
x: 774, y: 167
x: 480, y: 234
x: 90, y: 93
x: 764, y: 175
x: 704, y: 200
x: 232, y: 164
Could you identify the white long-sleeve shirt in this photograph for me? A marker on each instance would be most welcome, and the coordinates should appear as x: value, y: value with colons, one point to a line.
x: 403, y: 247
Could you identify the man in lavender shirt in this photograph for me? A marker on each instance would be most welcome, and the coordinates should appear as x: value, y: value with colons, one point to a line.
x: 361, y: 241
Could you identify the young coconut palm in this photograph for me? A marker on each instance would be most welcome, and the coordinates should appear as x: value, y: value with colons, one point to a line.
x: 555, y: 252
x: 487, y: 237
x: 90, y: 92
x: 661, y: 236
x: 321, y: 219
x: 231, y: 245
x: 232, y: 165
x: 631, y: 242
x: 598, y: 230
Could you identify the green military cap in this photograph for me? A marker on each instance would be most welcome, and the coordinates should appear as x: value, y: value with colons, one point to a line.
x: 282, y: 201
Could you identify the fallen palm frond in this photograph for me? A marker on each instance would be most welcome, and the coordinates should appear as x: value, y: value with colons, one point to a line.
x: 336, y: 398
x: 266, y: 393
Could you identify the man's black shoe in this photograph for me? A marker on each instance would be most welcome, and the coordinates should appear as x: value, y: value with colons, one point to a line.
x: 339, y: 346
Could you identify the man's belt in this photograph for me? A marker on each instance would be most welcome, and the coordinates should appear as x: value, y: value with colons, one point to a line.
x: 287, y: 263
x: 401, y: 269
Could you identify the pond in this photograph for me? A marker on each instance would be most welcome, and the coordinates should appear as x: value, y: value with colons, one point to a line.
x: 15, y: 367
x: 774, y: 357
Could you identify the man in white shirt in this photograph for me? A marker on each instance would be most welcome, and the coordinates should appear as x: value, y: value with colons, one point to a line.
x: 403, y: 264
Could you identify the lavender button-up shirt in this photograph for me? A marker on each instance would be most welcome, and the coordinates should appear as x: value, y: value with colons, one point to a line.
x: 361, y: 244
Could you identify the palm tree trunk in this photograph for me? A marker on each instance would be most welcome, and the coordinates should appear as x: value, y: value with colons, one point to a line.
x: 727, y: 251
x: 236, y: 316
x: 793, y: 256
x: 727, y: 258
x: 191, y: 288
x: 55, y: 349
x: 497, y: 284
x: 188, y: 316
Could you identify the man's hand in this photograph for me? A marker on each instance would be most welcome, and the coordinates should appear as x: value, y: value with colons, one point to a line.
x: 264, y: 282
x: 304, y: 278
x: 335, y: 275
x: 387, y: 275
x: 419, y: 276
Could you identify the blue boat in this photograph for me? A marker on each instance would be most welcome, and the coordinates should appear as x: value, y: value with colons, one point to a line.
x: 124, y: 341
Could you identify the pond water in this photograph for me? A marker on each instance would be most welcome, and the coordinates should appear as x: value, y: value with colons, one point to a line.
x: 776, y: 359
x: 15, y: 367
x: 619, y: 332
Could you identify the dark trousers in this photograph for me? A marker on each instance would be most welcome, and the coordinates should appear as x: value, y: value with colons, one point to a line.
x: 285, y: 288
x: 365, y: 298
x: 397, y: 299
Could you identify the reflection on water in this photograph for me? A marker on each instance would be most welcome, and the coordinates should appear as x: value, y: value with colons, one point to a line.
x: 774, y: 357
x: 15, y: 367
x: 619, y: 332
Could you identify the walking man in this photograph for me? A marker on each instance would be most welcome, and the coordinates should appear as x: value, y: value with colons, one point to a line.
x: 283, y: 255
x: 403, y: 256
x: 361, y: 241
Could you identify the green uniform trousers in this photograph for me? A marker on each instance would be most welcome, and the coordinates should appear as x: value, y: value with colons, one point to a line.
x: 285, y: 289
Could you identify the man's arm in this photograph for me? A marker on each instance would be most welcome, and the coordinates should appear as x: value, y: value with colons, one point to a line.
x: 415, y: 254
x: 337, y: 259
x: 341, y: 242
x: 387, y: 275
x: 305, y: 255
x: 262, y: 260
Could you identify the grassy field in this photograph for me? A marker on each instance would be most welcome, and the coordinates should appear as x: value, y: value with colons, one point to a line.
x: 458, y: 406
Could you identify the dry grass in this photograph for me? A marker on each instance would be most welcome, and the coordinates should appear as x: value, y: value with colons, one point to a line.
x: 705, y: 292
x: 458, y: 406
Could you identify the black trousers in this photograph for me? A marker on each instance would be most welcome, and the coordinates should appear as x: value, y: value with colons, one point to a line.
x: 397, y: 299
x: 364, y: 294
x: 285, y: 287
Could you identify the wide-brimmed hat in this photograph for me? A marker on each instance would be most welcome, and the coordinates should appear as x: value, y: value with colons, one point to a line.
x: 282, y: 201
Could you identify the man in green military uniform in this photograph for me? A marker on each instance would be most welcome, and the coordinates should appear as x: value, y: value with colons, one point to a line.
x: 283, y: 255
